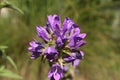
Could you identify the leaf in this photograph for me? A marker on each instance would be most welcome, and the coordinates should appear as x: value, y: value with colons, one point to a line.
x: 2, y: 67
x: 7, y: 57
x: 12, y: 62
x: 2, y: 51
x: 9, y: 74
x: 67, y: 52
x: 6, y: 4
x: 3, y: 47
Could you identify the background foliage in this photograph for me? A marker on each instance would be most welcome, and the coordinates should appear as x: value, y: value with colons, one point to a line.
x: 100, y: 19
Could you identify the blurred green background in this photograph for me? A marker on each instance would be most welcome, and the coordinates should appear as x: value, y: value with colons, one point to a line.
x: 100, y: 19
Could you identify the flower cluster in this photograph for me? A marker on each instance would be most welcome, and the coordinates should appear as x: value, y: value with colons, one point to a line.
x: 60, y: 45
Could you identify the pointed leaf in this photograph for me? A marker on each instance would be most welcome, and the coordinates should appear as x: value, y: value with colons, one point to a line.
x: 9, y: 74
x: 12, y: 62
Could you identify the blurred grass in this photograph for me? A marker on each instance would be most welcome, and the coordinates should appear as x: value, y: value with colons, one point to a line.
x: 100, y: 19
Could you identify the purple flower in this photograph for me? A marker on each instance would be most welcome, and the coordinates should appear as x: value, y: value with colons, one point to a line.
x: 51, y: 53
x: 42, y: 33
x: 56, y: 72
x: 65, y: 68
x: 54, y: 20
x: 69, y: 29
x: 36, y: 49
x: 59, y: 42
x: 48, y: 28
x: 35, y: 55
x: 60, y: 45
x: 67, y: 25
x: 74, y: 57
x: 76, y: 40
x: 54, y: 23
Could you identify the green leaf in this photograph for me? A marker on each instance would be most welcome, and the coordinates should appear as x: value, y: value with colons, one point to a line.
x: 3, y: 47
x: 9, y: 74
x: 67, y: 52
x: 17, y: 9
x: 6, y: 4
x: 2, y: 51
x: 12, y: 62
x: 7, y: 57
x: 2, y: 67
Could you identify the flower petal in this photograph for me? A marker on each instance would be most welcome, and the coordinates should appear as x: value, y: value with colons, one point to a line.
x: 51, y: 53
x: 35, y: 55
x: 50, y: 50
x: 35, y: 46
x: 76, y: 62
x: 51, y: 72
x: 56, y: 76
x: 42, y: 33
x: 54, y: 22
x: 83, y: 35
x: 59, y: 42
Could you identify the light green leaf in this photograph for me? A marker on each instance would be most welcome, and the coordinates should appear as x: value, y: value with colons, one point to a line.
x: 67, y: 52
x: 3, y: 47
x: 9, y: 74
x: 2, y: 67
x: 6, y: 4
x: 12, y: 62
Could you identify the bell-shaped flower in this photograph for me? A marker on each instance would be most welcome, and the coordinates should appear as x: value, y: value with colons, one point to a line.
x: 69, y: 28
x: 42, y: 33
x: 74, y: 57
x: 76, y: 41
x: 54, y: 23
x: 67, y: 25
x: 36, y: 49
x: 59, y: 42
x: 35, y: 55
x: 56, y: 72
x: 51, y: 53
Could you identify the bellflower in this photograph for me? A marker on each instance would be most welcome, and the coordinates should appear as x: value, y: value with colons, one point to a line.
x: 60, y: 46
x: 67, y: 25
x: 59, y: 42
x: 76, y: 41
x: 36, y: 49
x: 51, y: 53
x: 42, y: 33
x: 56, y: 72
x: 54, y: 22
x: 74, y: 57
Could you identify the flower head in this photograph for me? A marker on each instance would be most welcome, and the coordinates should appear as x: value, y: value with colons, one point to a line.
x: 60, y: 46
